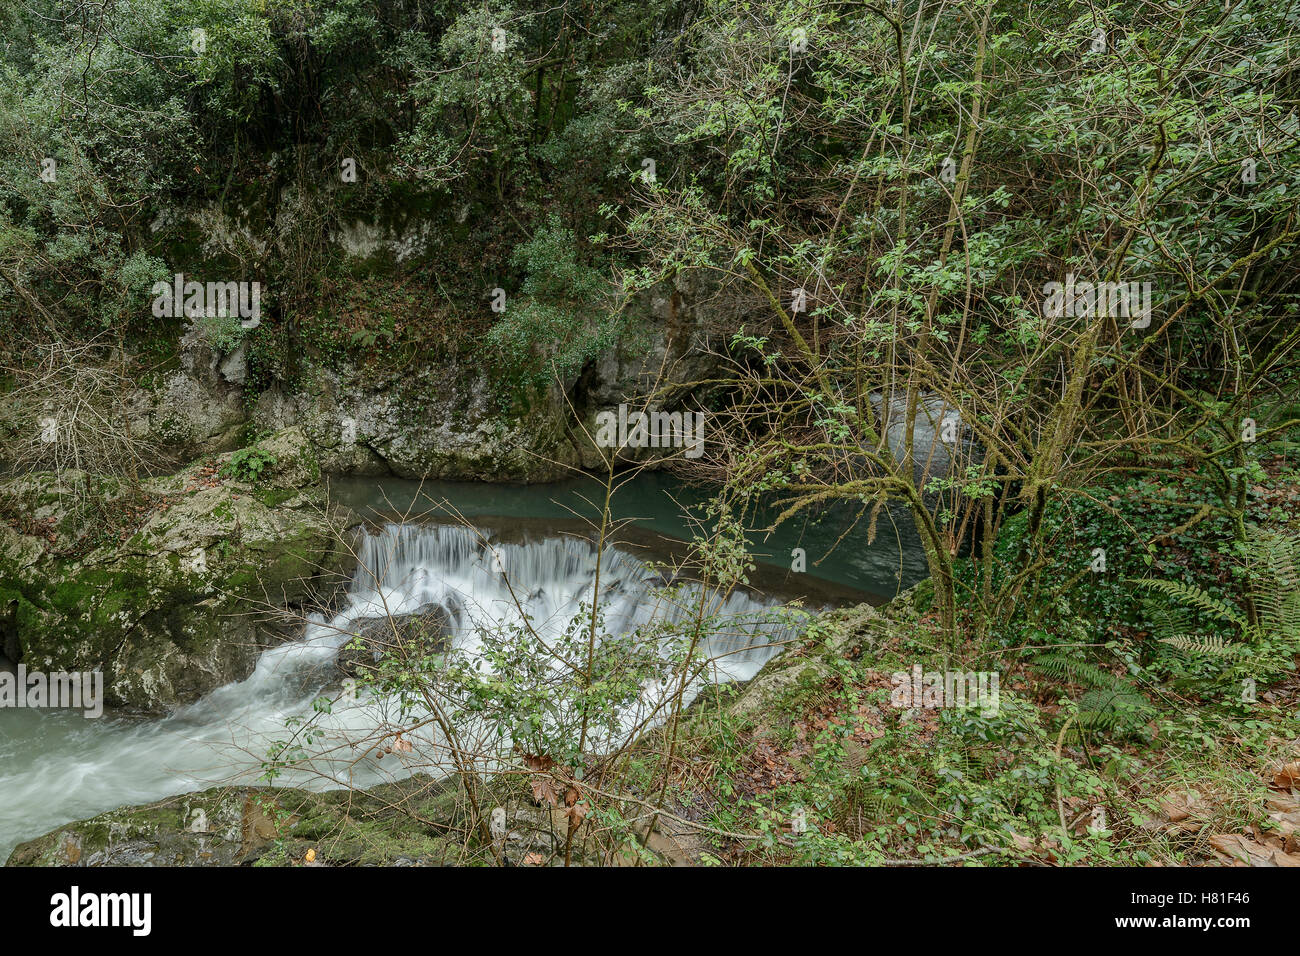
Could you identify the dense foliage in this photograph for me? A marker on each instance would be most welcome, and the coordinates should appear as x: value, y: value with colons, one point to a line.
x: 1072, y: 229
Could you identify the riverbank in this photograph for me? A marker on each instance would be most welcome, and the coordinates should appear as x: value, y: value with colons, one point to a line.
x: 807, y: 763
x: 812, y: 759
x: 285, y: 638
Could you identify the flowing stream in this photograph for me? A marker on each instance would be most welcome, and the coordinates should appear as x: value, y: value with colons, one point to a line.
x: 57, y: 766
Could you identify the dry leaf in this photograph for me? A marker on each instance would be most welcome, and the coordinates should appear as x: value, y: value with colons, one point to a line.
x: 1284, y: 803
x: 577, y: 813
x: 544, y: 790
x: 1244, y: 852
x: 1023, y: 843
x: 533, y: 859
x: 1180, y: 805
x: 1288, y: 777
x: 1236, y: 849
x: 543, y: 786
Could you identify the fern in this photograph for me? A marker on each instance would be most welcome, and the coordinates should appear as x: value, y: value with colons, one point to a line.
x: 1109, y: 702
x: 1272, y: 562
x: 1194, y: 597
x: 1069, y: 668
x: 1210, y: 645
x: 864, y: 803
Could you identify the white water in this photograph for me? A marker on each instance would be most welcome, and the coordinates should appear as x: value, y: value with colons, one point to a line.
x: 58, y: 766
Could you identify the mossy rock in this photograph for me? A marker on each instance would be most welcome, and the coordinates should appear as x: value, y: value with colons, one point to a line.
x: 417, y: 821
x: 164, y: 614
x: 404, y: 823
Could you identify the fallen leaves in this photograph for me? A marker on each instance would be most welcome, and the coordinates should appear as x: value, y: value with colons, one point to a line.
x: 205, y: 476
x: 1238, y: 850
x: 1279, y: 845
x: 1185, y: 809
x: 1022, y: 843
x: 1288, y: 776
x: 768, y: 767
x: 1285, y: 817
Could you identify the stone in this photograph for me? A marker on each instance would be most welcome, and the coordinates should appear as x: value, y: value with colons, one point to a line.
x: 410, y: 636
x: 163, y: 607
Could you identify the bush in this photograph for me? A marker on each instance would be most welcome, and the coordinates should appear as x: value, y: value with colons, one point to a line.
x: 247, y: 464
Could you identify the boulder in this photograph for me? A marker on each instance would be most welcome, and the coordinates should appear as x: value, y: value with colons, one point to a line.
x: 406, y: 636
x: 171, y: 589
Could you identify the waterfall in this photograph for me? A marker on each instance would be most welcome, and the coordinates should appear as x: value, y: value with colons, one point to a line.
x: 484, y: 583
x: 56, y: 766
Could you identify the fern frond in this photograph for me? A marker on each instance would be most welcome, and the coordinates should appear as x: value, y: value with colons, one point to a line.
x: 1210, y: 644
x: 1273, y: 560
x: 1067, y: 667
x: 1168, y: 618
x: 1275, y: 556
x: 1195, y: 597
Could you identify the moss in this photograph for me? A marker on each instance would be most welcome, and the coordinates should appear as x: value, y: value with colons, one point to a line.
x: 241, y: 580
x: 273, y: 497
x: 71, y: 595
x: 141, y: 612
x: 923, y: 596
x: 174, y: 431
x: 264, y: 827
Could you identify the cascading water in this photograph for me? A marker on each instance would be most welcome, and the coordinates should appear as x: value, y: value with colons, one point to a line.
x: 480, y: 583
x: 56, y: 766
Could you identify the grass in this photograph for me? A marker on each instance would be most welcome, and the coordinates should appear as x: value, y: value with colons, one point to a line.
x: 878, y: 784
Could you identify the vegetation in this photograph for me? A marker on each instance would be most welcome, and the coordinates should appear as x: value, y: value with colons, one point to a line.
x: 247, y: 464
x: 1024, y: 275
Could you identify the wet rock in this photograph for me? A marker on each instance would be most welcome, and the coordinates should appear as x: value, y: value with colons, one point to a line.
x: 408, y: 637
x: 231, y: 826
x: 198, y: 575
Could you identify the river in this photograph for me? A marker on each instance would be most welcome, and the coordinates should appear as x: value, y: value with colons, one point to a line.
x: 482, y: 553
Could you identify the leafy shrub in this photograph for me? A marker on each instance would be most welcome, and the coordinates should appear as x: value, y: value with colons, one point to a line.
x: 222, y: 332
x: 248, y: 464
x: 562, y: 317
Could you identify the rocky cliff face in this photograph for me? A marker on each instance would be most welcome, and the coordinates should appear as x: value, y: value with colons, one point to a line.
x: 438, y: 420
